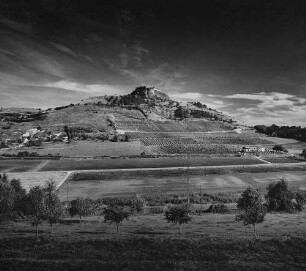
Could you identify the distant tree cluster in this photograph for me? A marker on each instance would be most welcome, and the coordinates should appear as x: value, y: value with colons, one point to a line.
x: 294, y: 132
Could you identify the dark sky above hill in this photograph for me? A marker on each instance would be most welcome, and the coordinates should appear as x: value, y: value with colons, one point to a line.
x: 243, y: 57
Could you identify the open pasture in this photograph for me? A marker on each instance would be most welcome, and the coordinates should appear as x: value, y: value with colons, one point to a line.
x: 147, y: 242
x: 118, y: 184
x: 86, y: 149
x: 18, y: 165
x: 31, y: 179
x: 160, y: 162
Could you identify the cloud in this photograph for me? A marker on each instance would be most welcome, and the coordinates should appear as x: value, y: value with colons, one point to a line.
x: 92, y: 90
x: 164, y: 76
x: 267, y: 108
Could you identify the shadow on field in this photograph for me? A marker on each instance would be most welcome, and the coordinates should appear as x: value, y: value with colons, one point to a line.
x: 91, y: 232
x: 150, y: 232
x: 70, y: 221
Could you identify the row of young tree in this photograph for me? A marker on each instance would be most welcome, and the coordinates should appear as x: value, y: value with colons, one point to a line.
x: 42, y: 204
x: 251, y: 205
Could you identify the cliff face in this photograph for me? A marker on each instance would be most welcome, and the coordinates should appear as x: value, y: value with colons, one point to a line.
x: 156, y: 105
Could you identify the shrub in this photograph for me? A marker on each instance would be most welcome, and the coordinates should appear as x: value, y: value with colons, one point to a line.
x: 178, y: 215
x: 137, y: 204
x: 303, y: 154
x: 217, y: 209
x: 3, y: 145
x: 280, y: 198
x: 251, y: 207
x: 280, y: 148
x: 81, y: 207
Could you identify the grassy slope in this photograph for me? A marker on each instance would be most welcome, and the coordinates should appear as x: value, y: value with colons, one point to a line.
x: 210, y: 242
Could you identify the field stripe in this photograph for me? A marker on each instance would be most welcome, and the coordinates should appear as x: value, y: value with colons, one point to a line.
x: 260, y: 159
x: 39, y: 167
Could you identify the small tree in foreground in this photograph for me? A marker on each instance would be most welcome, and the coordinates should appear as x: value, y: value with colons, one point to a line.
x: 81, y: 207
x: 178, y: 215
x: 36, y: 206
x: 251, y: 207
x: 7, y: 195
x: 53, y: 206
x: 115, y: 214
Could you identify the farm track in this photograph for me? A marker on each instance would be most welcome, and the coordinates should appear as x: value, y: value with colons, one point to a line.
x: 40, y: 166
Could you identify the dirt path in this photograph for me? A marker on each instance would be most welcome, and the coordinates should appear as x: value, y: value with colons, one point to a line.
x: 262, y: 160
x: 39, y: 167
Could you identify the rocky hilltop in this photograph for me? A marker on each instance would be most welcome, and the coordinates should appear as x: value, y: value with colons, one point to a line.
x: 156, y: 105
x: 115, y: 118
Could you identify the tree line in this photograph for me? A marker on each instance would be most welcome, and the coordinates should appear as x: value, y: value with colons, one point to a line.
x: 294, y: 132
x: 41, y: 204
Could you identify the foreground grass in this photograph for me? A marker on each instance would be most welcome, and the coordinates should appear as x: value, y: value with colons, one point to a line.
x: 152, y: 253
x: 147, y: 242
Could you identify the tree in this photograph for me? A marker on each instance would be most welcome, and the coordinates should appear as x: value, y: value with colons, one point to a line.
x: 53, y: 206
x: 137, y: 204
x: 178, y: 215
x: 279, y: 148
x: 251, y: 207
x: 115, y: 214
x: 280, y: 198
x: 81, y: 207
x: 7, y: 196
x: 36, y: 206
x: 12, y: 197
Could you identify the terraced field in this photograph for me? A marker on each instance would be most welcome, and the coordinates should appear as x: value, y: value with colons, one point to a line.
x: 198, y: 143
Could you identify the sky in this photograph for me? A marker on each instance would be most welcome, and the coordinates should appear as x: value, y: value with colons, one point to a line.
x: 246, y: 58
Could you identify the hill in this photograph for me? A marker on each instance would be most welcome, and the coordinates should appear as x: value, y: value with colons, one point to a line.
x: 147, y: 115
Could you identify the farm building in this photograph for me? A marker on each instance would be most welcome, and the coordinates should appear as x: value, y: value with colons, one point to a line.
x: 248, y: 149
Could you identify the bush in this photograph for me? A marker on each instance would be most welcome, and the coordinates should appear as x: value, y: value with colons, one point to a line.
x: 3, y: 145
x: 217, y: 209
x: 280, y: 148
x: 81, y: 207
x: 137, y: 204
x: 303, y: 154
x: 281, y: 199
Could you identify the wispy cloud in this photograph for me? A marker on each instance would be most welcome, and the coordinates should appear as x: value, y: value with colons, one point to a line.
x: 267, y: 108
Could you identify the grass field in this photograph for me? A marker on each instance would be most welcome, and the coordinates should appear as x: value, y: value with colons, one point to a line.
x: 283, y: 160
x: 118, y: 184
x: 147, y: 242
x: 18, y: 165
x: 146, y: 163
x: 86, y: 149
x: 30, y: 179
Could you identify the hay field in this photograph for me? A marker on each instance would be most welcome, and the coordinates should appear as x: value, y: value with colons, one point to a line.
x: 31, y: 179
x: 160, y: 162
x: 18, y: 165
x: 155, y: 182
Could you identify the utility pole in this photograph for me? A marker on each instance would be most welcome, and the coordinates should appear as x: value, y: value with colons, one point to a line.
x: 188, y: 177
x: 201, y: 198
